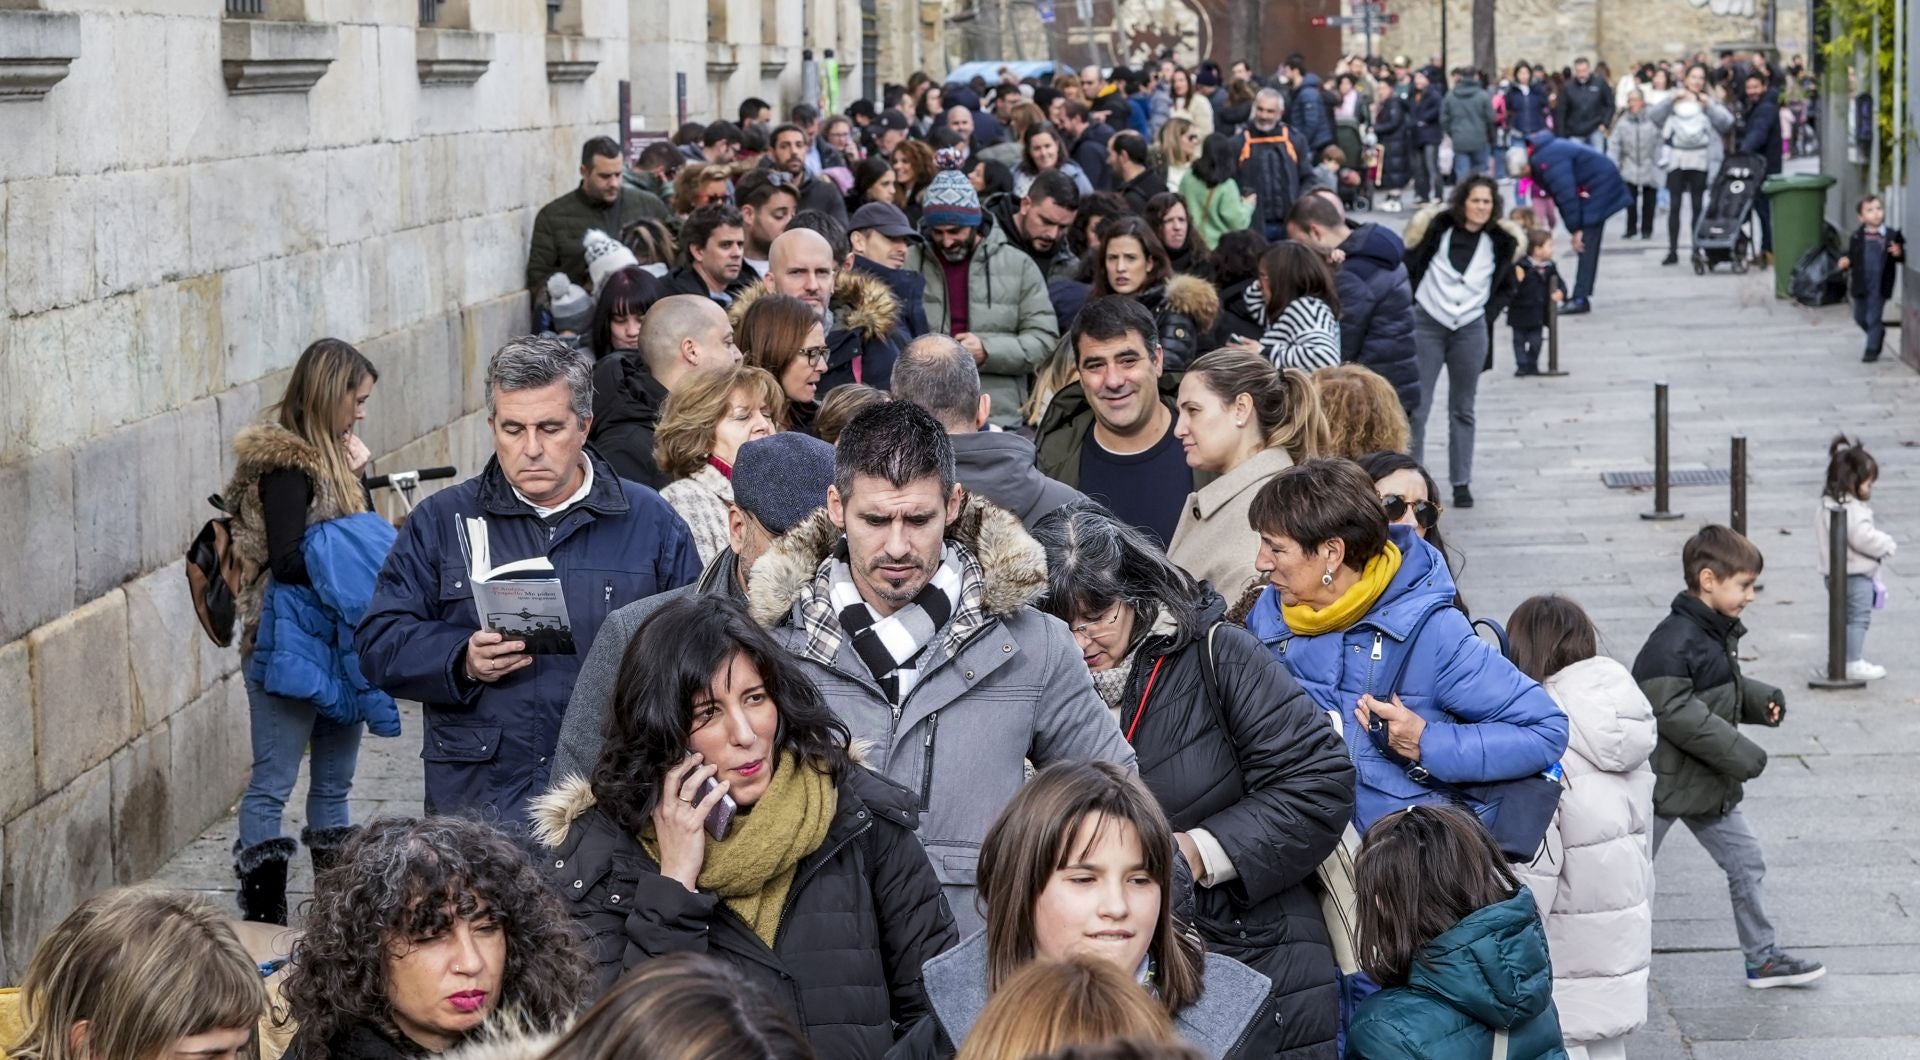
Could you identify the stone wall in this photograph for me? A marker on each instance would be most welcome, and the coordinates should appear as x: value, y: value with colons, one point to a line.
x: 187, y: 201
x: 1553, y: 32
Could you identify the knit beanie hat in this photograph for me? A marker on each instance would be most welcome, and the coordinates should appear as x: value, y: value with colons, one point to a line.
x: 950, y: 199
x: 571, y: 308
x: 605, y: 256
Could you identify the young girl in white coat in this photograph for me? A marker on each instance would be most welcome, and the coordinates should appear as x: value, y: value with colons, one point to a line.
x: 1594, y: 876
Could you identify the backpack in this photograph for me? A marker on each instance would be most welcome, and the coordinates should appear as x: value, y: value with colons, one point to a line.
x: 213, y: 575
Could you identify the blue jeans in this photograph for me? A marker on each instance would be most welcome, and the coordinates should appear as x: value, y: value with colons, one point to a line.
x: 1859, y: 614
x: 282, y: 731
x: 1466, y: 163
x: 1869, y: 313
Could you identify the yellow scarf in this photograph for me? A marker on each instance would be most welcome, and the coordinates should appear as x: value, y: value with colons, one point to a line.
x: 1353, y: 604
x: 752, y: 869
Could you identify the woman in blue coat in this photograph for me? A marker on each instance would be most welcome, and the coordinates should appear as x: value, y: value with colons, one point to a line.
x: 1347, y: 593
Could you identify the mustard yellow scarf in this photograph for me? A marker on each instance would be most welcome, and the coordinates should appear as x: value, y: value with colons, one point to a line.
x: 752, y: 869
x: 1353, y: 604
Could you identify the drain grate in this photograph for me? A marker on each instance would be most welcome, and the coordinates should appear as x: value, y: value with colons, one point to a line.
x: 1679, y: 476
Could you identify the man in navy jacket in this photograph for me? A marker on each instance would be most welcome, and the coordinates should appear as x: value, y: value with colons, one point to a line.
x: 1586, y: 189
x: 492, y: 708
x: 1760, y: 135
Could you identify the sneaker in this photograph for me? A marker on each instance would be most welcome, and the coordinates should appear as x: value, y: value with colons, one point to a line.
x: 1462, y: 497
x: 1672, y: 258
x: 1862, y: 670
x: 1783, y: 969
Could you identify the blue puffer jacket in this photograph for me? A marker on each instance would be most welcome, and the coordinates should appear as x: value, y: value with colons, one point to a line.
x: 1585, y: 184
x: 1376, y: 310
x: 305, y: 649
x: 1485, y: 719
x: 487, y: 747
x: 1310, y: 115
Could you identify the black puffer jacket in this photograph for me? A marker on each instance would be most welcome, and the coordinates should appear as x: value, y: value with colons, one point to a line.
x: 1185, y: 309
x: 1275, y: 789
x: 1376, y: 310
x: 627, y: 401
x: 864, y: 913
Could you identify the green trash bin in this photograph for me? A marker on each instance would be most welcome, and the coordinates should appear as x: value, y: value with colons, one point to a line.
x: 1799, y: 212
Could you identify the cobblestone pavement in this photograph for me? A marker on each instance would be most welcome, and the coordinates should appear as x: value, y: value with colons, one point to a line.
x: 1837, y: 804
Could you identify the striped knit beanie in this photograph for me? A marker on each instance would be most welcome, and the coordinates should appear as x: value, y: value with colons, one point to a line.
x: 950, y: 199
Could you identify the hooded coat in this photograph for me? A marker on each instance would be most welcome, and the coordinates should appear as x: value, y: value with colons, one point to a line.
x: 1310, y: 113
x: 909, y: 293
x: 862, y: 916
x: 1485, y: 719
x: 1185, y: 309
x: 1634, y: 146
x: 1467, y: 116
x: 1376, y: 310
x: 627, y: 402
x: 999, y: 686
x: 1057, y: 263
x: 1594, y: 881
x: 998, y: 466
x: 1585, y: 185
x: 1488, y: 972
x: 861, y: 348
x: 1393, y: 130
x: 487, y: 746
x: 1007, y: 308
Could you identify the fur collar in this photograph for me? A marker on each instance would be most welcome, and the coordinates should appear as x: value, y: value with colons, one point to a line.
x: 267, y: 446
x: 860, y: 302
x: 1509, y: 241
x: 1196, y: 298
x: 1012, y: 563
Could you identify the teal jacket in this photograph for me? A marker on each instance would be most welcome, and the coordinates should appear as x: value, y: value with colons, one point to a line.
x: 1488, y: 972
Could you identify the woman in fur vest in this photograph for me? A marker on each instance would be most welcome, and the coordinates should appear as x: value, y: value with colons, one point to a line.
x: 298, y: 467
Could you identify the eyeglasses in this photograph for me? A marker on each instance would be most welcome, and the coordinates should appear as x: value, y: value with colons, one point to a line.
x: 1425, y: 513
x: 815, y: 355
x: 1098, y: 626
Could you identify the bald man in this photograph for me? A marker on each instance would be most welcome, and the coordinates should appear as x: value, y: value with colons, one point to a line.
x: 858, y: 311
x: 682, y: 333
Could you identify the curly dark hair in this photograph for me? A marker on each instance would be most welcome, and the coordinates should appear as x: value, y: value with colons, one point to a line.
x: 672, y: 658
x: 403, y: 878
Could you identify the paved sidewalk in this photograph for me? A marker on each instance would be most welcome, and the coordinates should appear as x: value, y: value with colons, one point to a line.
x: 1837, y: 804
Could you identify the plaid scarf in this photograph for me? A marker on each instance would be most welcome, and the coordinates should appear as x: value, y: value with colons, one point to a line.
x: 892, y: 646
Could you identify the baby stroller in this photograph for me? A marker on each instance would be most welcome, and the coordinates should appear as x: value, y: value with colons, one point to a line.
x: 1724, y: 234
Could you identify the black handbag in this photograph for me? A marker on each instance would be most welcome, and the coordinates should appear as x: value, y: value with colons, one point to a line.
x: 1516, y: 812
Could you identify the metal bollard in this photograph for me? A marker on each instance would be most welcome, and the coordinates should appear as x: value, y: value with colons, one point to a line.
x: 1836, y: 676
x: 1553, y: 339
x: 1661, y: 484
x: 1737, y: 517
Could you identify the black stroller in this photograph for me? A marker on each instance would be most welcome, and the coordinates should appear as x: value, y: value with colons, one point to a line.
x: 1725, y: 233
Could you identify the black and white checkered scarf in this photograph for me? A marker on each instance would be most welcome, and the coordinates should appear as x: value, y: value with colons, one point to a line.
x: 892, y: 646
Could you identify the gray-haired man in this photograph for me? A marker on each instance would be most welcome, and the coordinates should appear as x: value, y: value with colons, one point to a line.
x: 492, y: 708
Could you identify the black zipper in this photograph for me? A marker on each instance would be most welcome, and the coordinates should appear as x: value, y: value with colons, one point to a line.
x: 926, y: 763
x: 1260, y: 1016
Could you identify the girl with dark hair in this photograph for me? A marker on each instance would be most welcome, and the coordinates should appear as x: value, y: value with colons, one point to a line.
x: 1168, y: 217
x: 1042, y: 149
x: 1213, y: 195
x: 988, y: 177
x: 1460, y: 262
x: 683, y: 1006
x: 1232, y: 267
x: 1454, y: 941
x: 1298, y: 302
x: 1082, y: 862
x: 621, y: 309
x: 726, y: 814
x: 1851, y: 473
x: 873, y: 181
x: 1248, y: 770
x: 1184, y: 308
x: 1594, y: 878
x: 424, y: 929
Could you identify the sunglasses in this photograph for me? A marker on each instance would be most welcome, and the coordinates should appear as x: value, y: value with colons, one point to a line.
x: 1425, y: 513
x: 815, y: 355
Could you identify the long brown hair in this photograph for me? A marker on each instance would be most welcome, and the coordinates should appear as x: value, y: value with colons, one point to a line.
x: 1284, y: 402
x: 1294, y: 270
x: 1135, y: 227
x: 773, y: 331
x: 1550, y: 633
x: 1034, y: 837
x: 1421, y: 871
x: 684, y: 1006
x: 326, y: 373
x: 1049, y: 1005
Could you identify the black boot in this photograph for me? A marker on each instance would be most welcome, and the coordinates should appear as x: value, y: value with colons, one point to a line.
x: 1462, y: 497
x: 262, y: 869
x: 324, y: 846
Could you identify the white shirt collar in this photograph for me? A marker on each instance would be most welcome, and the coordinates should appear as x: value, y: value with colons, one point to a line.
x: 586, y: 487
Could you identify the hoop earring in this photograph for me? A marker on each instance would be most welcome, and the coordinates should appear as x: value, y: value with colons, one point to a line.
x: 1327, y: 578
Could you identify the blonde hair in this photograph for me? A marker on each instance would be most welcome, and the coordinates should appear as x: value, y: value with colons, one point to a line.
x: 684, y: 439
x: 1049, y: 1005
x: 1059, y: 371
x: 691, y: 179
x: 1363, y: 411
x: 1285, y: 403
x: 326, y: 373
x: 143, y: 968
x: 1172, y: 143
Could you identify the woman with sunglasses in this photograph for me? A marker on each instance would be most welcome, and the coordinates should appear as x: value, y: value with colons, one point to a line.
x: 781, y: 334
x: 1178, y: 145
x: 1411, y: 499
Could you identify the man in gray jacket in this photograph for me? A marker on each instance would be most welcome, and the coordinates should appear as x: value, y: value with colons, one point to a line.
x: 777, y: 481
x: 1466, y: 115
x: 910, y: 606
x: 937, y: 374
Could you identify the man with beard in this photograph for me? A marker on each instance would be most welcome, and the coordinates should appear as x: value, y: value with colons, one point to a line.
x: 714, y: 241
x: 908, y: 604
x: 789, y: 145
x: 1109, y: 434
x: 1271, y: 157
x: 1089, y: 135
x: 1037, y: 222
x: 599, y: 202
x: 766, y: 205
x: 983, y: 291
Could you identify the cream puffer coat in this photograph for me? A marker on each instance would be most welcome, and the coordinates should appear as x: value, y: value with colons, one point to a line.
x: 1867, y: 545
x: 1594, y: 879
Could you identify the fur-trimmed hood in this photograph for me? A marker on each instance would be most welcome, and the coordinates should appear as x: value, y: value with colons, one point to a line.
x: 860, y: 303
x: 1508, y: 238
x: 259, y: 449
x: 1012, y: 564
x: 508, y: 1041
x: 1196, y: 298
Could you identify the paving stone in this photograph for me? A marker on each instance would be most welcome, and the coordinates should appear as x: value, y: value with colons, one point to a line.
x: 57, y: 852
x: 82, y: 689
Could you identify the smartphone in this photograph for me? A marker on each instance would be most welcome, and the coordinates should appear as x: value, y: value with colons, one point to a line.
x: 720, y: 818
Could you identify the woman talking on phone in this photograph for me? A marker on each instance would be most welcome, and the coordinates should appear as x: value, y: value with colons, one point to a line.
x: 727, y: 816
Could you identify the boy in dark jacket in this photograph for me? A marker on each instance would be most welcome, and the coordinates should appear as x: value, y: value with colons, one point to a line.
x: 1540, y: 284
x: 1690, y: 671
x: 1873, y: 255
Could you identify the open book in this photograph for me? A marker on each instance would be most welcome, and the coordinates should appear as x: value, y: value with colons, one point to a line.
x: 521, y: 600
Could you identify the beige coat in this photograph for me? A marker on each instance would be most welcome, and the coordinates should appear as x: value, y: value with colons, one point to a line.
x: 1214, y: 542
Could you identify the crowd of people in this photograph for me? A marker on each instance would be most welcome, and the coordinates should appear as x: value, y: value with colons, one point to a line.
x: 1007, y: 615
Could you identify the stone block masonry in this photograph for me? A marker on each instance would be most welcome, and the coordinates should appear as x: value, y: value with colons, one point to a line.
x: 168, y: 246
